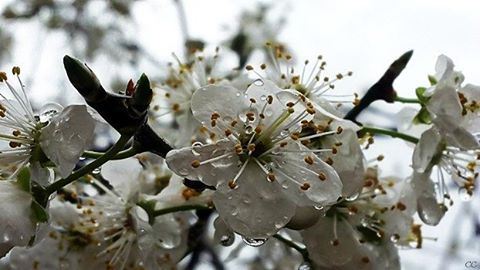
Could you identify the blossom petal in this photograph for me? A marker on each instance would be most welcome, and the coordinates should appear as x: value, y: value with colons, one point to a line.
x: 16, y: 225
x: 256, y: 208
x: 429, y: 210
x: 324, y: 186
x: 213, y: 173
x: 427, y: 148
x: 67, y: 136
x: 123, y: 175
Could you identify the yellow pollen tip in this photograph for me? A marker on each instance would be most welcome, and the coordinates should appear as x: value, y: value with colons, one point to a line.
x: 195, y: 163
x: 16, y: 70
x: 305, y: 186
x: 308, y: 160
x: 3, y: 76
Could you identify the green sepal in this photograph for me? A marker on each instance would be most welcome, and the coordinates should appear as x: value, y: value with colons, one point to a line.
x: 422, y: 117
x: 23, y: 179
x: 420, y: 92
x: 432, y: 80
x: 39, y: 213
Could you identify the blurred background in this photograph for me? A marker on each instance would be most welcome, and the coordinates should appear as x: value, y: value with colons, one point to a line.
x: 120, y: 39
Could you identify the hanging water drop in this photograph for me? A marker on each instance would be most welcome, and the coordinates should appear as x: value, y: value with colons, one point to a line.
x: 48, y: 111
x: 254, y: 242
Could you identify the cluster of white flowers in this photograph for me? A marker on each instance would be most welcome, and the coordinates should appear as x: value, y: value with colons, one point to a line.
x: 266, y: 150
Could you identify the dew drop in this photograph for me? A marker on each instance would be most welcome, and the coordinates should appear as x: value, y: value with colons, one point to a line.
x: 226, y: 240
x: 258, y: 82
x: 305, y: 266
x: 352, y: 197
x: 284, y: 133
x: 48, y: 111
x: 183, y: 172
x: 263, y: 97
x: 249, y: 130
x: 96, y: 171
x: 254, y: 242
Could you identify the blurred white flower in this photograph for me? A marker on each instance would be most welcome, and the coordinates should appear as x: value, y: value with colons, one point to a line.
x: 362, y: 233
x: 16, y: 224
x: 450, y: 147
x: 173, y: 97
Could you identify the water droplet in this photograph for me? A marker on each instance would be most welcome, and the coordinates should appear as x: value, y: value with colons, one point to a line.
x: 464, y: 194
x: 394, y: 238
x: 234, y: 213
x: 263, y: 97
x: 254, y: 242
x: 258, y: 82
x: 352, y: 197
x: 6, y: 238
x: 318, y: 207
x: 226, y: 240
x: 284, y: 133
x: 238, y: 94
x: 197, y: 144
x: 96, y: 170
x: 48, y: 111
x: 183, y: 172
x: 268, y: 112
x: 305, y: 266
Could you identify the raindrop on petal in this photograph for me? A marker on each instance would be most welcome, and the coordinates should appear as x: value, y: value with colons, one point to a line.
x: 254, y: 242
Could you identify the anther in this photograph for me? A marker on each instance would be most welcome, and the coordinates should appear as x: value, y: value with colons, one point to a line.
x: 401, y: 206
x: 308, y: 160
x: 305, y: 186
x: 16, y: 70
x: 322, y: 176
x: 271, y: 177
x: 195, y: 163
x: 232, y: 184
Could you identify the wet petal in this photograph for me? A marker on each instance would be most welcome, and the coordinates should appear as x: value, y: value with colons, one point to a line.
x: 427, y: 149
x: 315, y: 179
x: 181, y: 161
x: 429, y: 210
x: 123, y: 175
x: 67, y: 136
x: 256, y: 208
x: 319, y: 240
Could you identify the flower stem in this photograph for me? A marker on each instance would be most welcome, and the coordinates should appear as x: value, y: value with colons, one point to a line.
x: 389, y: 132
x: 90, y: 166
x: 180, y: 208
x: 290, y: 243
x: 120, y: 155
x: 407, y: 100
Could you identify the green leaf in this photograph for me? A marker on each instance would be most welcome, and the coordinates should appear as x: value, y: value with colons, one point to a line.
x: 432, y: 80
x: 39, y: 213
x: 23, y: 179
x: 423, y: 117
